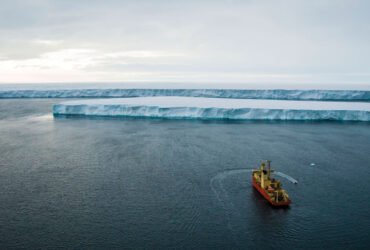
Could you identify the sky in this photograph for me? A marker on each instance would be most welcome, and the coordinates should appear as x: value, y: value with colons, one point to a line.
x: 246, y: 41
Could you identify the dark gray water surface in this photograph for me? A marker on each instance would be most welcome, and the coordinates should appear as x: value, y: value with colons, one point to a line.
x: 161, y: 184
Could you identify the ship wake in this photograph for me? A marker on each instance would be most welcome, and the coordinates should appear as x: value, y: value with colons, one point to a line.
x: 222, y: 195
x: 289, y: 178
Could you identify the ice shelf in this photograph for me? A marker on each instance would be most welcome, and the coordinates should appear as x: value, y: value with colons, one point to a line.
x: 277, y: 94
x: 216, y: 108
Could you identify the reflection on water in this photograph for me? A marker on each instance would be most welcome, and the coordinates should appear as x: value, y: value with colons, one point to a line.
x: 41, y: 118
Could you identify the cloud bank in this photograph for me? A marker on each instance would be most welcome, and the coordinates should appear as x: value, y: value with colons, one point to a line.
x: 290, y: 41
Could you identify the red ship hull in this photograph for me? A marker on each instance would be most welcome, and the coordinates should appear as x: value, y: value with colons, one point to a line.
x: 267, y: 197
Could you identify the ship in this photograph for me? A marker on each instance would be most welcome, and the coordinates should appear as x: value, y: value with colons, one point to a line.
x: 268, y: 187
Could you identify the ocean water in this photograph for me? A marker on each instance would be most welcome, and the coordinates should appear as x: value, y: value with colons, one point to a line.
x: 163, y: 184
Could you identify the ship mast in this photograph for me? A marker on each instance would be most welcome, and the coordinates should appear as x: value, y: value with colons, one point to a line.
x: 268, y: 168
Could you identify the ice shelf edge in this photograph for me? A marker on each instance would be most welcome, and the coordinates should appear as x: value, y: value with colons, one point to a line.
x: 208, y: 113
x: 276, y: 94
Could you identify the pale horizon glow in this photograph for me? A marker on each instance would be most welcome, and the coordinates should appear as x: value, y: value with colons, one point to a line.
x: 245, y: 42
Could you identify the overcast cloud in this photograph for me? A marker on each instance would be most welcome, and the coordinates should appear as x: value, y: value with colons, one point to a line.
x: 276, y: 41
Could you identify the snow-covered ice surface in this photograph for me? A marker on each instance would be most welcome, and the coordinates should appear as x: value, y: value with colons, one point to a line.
x: 217, y: 108
x: 277, y: 94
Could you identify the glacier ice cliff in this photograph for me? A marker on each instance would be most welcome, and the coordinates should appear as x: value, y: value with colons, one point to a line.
x: 216, y: 108
x: 277, y: 94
